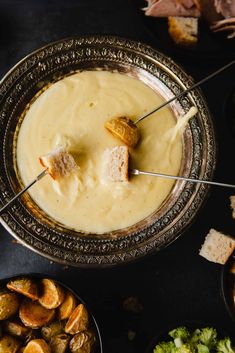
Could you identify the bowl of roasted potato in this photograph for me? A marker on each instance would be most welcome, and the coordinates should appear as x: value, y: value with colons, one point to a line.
x: 40, y: 315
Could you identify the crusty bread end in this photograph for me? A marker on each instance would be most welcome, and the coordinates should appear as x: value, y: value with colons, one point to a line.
x: 217, y: 247
x: 59, y: 163
x: 183, y: 30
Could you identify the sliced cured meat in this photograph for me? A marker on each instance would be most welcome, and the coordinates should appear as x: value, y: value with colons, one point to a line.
x: 225, y: 7
x: 227, y: 24
x: 165, y: 8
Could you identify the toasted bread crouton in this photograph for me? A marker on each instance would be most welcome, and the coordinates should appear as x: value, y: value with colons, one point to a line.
x: 183, y: 30
x: 217, y: 247
x: 232, y: 204
x: 59, y: 163
x: 118, y: 163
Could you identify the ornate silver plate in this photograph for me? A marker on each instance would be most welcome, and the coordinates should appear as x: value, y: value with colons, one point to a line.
x: 29, y: 224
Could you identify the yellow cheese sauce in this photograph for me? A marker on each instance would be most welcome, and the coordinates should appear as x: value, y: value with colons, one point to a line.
x: 72, y: 113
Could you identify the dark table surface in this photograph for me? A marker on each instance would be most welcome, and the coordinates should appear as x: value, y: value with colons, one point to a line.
x: 175, y: 285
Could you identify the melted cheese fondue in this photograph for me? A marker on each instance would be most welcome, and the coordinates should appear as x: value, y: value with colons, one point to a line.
x: 72, y: 113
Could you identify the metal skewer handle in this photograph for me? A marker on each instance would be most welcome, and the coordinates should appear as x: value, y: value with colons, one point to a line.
x: 185, y: 91
x: 167, y: 176
x: 40, y: 176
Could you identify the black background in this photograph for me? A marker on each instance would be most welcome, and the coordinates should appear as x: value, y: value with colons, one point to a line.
x: 175, y: 285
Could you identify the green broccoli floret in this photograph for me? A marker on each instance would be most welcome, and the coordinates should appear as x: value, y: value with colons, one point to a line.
x: 180, y: 335
x: 201, y: 348
x: 225, y: 346
x: 208, y: 337
x: 195, y: 337
x: 185, y: 348
x: 180, y: 332
x: 165, y: 347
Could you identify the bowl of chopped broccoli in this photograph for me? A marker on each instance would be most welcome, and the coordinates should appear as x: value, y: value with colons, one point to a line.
x: 182, y: 339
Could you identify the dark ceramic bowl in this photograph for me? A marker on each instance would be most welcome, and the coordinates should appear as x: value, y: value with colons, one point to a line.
x: 228, y: 287
x: 93, y: 322
x: 191, y: 325
x: 35, y: 229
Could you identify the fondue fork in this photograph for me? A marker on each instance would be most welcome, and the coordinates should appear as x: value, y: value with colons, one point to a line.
x: 56, y: 163
x: 39, y: 177
x: 195, y: 85
x: 167, y: 176
x: 127, y: 130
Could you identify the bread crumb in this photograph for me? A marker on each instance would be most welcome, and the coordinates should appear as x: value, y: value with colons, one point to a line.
x: 217, y: 247
x: 131, y: 335
x: 15, y: 241
x: 132, y: 304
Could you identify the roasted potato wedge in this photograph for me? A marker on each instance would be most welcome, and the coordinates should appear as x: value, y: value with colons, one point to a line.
x: 16, y: 329
x: 67, y: 307
x: 37, y: 346
x: 82, y: 342
x: 59, y: 343
x: 25, y: 286
x: 124, y: 129
x: 52, y: 294
x: 52, y: 329
x: 9, y: 304
x: 78, y: 320
x: 34, y: 315
x: 9, y: 344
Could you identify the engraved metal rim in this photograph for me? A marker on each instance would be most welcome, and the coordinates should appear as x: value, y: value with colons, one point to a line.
x: 103, y: 252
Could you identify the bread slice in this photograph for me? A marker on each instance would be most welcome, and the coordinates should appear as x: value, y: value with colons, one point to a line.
x: 118, y: 163
x: 232, y: 204
x: 183, y: 30
x: 59, y: 163
x: 217, y: 247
